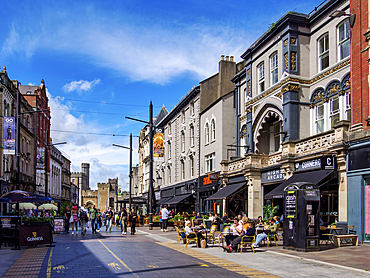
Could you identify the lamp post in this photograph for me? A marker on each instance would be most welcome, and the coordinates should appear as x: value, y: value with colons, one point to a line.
x: 130, y: 175
x: 339, y: 13
x: 151, y: 190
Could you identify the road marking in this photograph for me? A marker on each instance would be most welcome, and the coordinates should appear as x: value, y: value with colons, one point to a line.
x: 59, y: 268
x: 115, y: 266
x: 244, y: 270
x: 48, y: 271
x: 202, y: 264
x: 118, y: 259
x: 152, y: 266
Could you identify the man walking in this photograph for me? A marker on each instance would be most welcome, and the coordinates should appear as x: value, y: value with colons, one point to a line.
x: 67, y: 216
x: 93, y: 214
x: 84, y: 217
x: 123, y: 221
x: 133, y: 217
x: 165, y: 215
x: 109, y: 216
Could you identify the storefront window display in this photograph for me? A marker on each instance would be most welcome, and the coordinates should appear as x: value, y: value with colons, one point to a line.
x: 367, y: 210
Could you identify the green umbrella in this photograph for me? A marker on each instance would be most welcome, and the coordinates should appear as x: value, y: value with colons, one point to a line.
x: 48, y: 206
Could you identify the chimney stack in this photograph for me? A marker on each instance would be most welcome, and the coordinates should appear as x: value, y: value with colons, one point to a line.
x: 231, y: 58
x: 227, y: 58
x: 222, y: 57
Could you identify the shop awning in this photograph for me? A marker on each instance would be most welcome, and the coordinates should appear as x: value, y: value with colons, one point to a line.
x: 177, y: 199
x: 164, y: 200
x: 136, y: 200
x: 313, y: 177
x: 228, y: 190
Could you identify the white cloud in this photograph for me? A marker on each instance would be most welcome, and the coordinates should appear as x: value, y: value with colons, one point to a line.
x: 106, y: 162
x: 132, y: 47
x: 80, y: 86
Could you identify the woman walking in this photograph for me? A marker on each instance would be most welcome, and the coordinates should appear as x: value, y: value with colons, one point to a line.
x: 123, y: 221
x: 74, y: 219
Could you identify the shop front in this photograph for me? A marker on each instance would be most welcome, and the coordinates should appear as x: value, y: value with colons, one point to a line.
x: 208, y: 185
x: 180, y: 197
x: 358, y: 174
x: 271, y: 178
x: 322, y: 172
x: 233, y: 198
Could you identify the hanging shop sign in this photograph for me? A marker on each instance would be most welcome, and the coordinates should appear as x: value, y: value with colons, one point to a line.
x: 158, y: 142
x: 321, y: 163
x: 40, y: 160
x: 8, y: 135
x: 272, y: 176
x: 211, y: 179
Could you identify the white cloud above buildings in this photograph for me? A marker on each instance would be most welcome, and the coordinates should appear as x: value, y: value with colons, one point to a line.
x: 80, y: 86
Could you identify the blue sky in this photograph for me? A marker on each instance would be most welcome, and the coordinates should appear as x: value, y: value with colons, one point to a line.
x: 104, y: 60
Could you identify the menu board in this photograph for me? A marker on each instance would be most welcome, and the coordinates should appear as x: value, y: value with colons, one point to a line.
x: 291, y: 204
x: 367, y: 209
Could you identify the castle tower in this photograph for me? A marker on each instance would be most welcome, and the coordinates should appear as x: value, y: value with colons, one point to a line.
x: 85, y: 167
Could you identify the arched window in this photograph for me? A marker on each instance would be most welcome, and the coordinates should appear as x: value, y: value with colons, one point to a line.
x: 192, y: 136
x: 213, y: 130
x: 207, y: 133
x: 182, y: 141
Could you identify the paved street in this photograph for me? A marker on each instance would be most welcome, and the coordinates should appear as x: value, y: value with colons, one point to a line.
x: 156, y: 254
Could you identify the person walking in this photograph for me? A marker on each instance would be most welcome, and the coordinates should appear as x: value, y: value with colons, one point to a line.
x: 84, y: 218
x: 133, y: 217
x: 109, y: 216
x: 123, y: 221
x: 98, y: 221
x: 93, y: 215
x: 74, y: 219
x: 67, y: 218
x: 165, y: 216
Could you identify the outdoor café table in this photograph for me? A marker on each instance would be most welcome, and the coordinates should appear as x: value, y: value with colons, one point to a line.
x: 335, y: 231
x: 201, y: 230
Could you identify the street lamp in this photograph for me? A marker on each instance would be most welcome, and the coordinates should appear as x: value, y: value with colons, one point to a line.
x: 159, y: 181
x: 151, y: 189
x: 130, y: 175
x: 339, y: 13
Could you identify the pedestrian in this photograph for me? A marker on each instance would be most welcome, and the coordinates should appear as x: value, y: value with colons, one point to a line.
x: 133, y: 217
x: 109, y: 217
x: 123, y: 221
x: 84, y: 218
x: 93, y: 214
x: 98, y: 221
x: 165, y: 216
x: 74, y: 219
x: 67, y: 217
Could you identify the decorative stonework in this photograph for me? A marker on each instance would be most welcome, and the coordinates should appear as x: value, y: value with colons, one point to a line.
x: 315, y: 144
x: 279, y: 95
x: 286, y: 61
x: 293, y: 61
x: 248, y: 110
x: 249, y: 87
x: 290, y: 87
x: 249, y: 71
x: 286, y: 42
x: 293, y: 40
x: 255, y: 108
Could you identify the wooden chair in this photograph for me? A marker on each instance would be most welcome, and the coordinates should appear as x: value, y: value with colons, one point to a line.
x: 351, y: 229
x: 211, y: 234
x: 325, y: 236
x: 191, y: 239
x: 273, y: 237
x: 220, y: 237
x: 247, y: 241
x: 200, y: 220
x: 179, y: 234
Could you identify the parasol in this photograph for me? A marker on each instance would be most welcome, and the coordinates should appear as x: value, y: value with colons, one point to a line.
x: 48, y: 206
x: 27, y: 206
x: 19, y: 196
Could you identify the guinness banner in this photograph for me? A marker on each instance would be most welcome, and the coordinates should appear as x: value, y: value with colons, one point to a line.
x: 34, y: 235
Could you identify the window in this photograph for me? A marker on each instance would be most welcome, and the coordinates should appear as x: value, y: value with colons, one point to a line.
x: 183, y: 116
x: 261, y: 78
x: 192, y: 111
x: 207, y: 133
x: 343, y: 40
x: 277, y: 136
x: 324, y: 52
x: 169, y: 175
x: 192, y: 136
x: 182, y: 141
x: 169, y: 129
x: 348, y: 105
x: 213, y: 130
x: 319, y: 118
x: 169, y: 150
x: 192, y: 167
x: 334, y: 111
x: 210, y: 162
x: 274, y: 68
x: 182, y: 169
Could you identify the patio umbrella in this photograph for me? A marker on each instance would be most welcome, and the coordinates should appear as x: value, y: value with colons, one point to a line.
x: 27, y: 206
x: 48, y: 206
x: 18, y: 196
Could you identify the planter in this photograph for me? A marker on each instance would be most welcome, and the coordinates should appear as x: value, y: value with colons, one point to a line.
x: 179, y: 223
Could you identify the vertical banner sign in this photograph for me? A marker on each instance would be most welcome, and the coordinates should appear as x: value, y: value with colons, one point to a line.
x: 9, y: 135
x: 158, y: 141
x: 40, y: 160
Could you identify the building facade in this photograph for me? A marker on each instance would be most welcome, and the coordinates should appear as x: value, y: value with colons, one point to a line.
x: 66, y: 194
x: 294, y: 100
x: 55, y: 174
x: 359, y: 138
x: 81, y: 180
x: 104, y: 197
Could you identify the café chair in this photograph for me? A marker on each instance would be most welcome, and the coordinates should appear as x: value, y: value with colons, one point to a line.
x: 220, y: 236
x: 211, y: 234
x: 247, y: 241
x: 180, y: 234
x: 191, y: 239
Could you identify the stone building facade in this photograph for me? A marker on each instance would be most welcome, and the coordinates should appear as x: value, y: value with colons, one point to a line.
x: 105, y: 196
x: 81, y: 180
